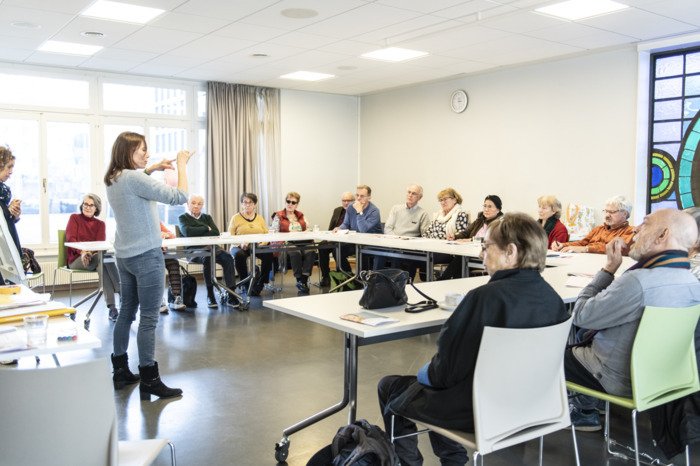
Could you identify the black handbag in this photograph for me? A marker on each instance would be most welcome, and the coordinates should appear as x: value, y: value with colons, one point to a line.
x: 384, y: 288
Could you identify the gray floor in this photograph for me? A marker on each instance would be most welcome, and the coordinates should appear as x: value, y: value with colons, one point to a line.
x: 248, y: 375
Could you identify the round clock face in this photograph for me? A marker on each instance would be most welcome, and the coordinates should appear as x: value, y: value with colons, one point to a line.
x: 459, y: 101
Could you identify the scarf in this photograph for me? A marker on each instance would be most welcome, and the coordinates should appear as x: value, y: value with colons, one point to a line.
x: 672, y: 258
x: 5, y: 194
x: 548, y: 224
x: 450, y: 219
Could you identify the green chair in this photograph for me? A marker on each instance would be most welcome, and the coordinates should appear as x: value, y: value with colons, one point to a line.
x: 62, y: 266
x: 663, y: 367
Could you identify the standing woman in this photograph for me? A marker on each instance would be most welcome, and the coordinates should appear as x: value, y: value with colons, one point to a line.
x: 288, y: 220
x: 137, y: 247
x: 549, y: 211
x: 85, y: 226
x: 11, y: 208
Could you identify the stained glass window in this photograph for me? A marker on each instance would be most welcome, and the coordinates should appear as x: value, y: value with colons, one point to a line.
x: 674, y: 140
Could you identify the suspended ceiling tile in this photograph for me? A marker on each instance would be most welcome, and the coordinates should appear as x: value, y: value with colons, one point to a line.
x: 189, y: 23
x: 157, y: 40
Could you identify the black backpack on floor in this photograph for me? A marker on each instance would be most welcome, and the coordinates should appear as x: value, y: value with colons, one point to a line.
x: 357, y: 444
x: 189, y: 288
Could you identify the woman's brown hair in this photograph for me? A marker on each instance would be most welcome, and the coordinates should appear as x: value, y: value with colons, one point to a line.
x: 122, y: 155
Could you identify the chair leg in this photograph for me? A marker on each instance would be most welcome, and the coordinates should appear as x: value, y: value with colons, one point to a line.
x: 687, y: 455
x: 70, y: 290
x: 172, y: 453
x: 541, y: 448
x: 573, y: 434
x: 636, y: 441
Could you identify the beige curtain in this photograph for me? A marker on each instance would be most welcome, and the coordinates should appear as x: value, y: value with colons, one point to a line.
x: 243, y: 140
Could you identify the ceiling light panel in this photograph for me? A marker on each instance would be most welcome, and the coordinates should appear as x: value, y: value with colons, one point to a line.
x: 307, y: 76
x: 69, y: 48
x: 575, y: 10
x: 394, y: 54
x: 116, y: 11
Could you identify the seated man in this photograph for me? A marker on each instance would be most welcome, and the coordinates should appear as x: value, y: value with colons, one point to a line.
x: 324, y: 254
x: 407, y: 219
x: 195, y: 223
x: 617, y: 211
x: 363, y: 217
x: 514, y: 252
x: 613, y: 308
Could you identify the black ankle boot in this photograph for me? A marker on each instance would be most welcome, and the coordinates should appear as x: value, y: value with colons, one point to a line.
x: 152, y: 385
x: 122, y: 375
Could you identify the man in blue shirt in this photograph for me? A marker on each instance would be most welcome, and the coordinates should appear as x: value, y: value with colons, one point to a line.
x: 362, y: 216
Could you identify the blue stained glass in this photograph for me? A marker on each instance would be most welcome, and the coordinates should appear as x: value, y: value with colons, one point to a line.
x: 693, y: 139
x: 672, y: 196
x: 692, y: 85
x: 668, y: 110
x: 656, y: 175
x: 669, y: 66
x: 691, y: 107
x: 692, y: 63
x: 667, y: 88
x: 670, y: 131
x: 664, y: 205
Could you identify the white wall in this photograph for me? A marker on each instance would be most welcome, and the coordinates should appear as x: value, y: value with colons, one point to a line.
x: 319, y: 150
x: 566, y: 128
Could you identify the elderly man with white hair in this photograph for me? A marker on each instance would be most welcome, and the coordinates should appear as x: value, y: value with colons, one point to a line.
x: 613, y: 307
x: 617, y: 212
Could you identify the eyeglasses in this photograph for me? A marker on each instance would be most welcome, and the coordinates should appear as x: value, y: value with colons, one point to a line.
x: 610, y: 212
x: 485, y: 246
x: 444, y: 199
x: 248, y: 202
x: 291, y: 202
x: 89, y: 206
x: 361, y: 196
x: 347, y: 200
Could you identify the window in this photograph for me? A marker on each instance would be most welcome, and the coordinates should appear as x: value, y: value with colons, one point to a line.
x: 674, y: 136
x: 61, y: 126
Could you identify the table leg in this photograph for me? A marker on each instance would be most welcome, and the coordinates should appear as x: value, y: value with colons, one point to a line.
x: 358, y: 262
x: 223, y: 288
x: 349, y: 398
x: 97, y: 293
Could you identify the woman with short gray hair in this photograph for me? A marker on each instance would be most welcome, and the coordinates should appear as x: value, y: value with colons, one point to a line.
x: 85, y: 226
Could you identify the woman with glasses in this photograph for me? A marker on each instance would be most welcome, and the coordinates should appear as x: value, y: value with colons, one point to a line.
x: 448, y: 222
x: 549, y: 211
x: 248, y: 222
x: 491, y: 211
x: 86, y: 227
x: 289, y: 220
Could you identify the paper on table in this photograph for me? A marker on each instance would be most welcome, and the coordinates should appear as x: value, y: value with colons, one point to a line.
x: 10, y: 340
x: 369, y: 318
x: 578, y: 281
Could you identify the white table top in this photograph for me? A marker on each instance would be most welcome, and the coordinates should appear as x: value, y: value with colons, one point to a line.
x: 326, y: 309
x: 57, y: 325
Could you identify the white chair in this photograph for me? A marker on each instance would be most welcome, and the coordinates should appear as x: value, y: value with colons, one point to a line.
x: 519, y: 390
x: 66, y: 416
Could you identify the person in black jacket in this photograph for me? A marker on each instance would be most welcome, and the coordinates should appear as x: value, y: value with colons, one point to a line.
x: 514, y: 251
x: 324, y: 254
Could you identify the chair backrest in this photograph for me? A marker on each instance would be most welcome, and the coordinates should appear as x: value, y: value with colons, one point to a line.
x: 178, y: 233
x: 664, y: 365
x: 519, y: 390
x: 59, y: 416
x: 61, y: 261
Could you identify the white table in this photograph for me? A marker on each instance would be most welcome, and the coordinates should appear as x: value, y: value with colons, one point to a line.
x: 57, y: 325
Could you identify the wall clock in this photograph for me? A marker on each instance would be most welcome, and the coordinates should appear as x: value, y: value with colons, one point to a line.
x: 459, y: 101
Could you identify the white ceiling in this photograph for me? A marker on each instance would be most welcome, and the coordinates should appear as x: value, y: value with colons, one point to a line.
x: 214, y: 40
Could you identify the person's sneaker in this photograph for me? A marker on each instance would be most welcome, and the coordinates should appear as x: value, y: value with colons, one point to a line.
x: 163, y: 307
x: 177, y: 304
x: 325, y: 281
x: 211, y: 302
x: 113, y: 313
x: 584, y: 422
x: 232, y: 300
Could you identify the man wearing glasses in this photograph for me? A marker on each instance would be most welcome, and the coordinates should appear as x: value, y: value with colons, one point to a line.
x: 617, y: 212
x: 324, y: 254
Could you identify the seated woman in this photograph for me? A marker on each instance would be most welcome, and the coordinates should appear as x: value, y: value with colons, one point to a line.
x: 514, y: 253
x: 448, y: 222
x: 248, y: 222
x: 549, y: 211
x: 288, y: 220
x: 86, y: 227
x: 491, y: 211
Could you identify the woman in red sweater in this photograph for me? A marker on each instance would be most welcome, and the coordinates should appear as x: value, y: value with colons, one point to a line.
x: 86, y: 227
x: 549, y: 211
